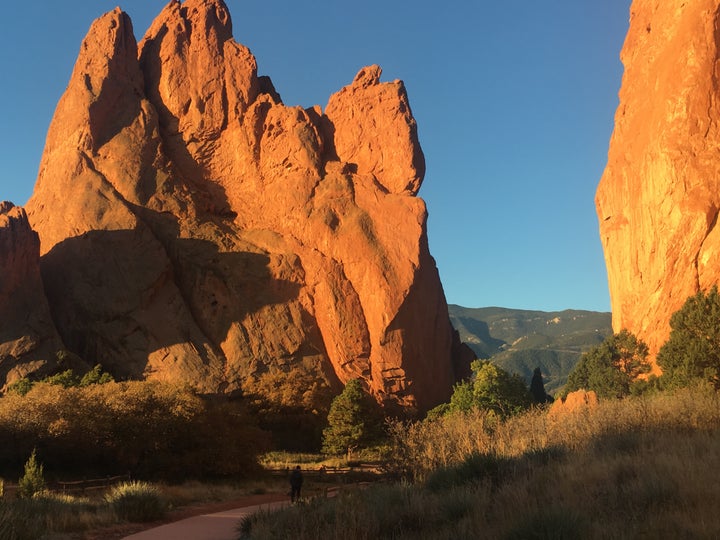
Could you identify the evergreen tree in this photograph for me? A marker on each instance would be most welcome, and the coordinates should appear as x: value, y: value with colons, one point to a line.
x: 32, y: 481
x: 612, y: 368
x: 692, y: 351
x: 354, y: 420
x: 537, y: 388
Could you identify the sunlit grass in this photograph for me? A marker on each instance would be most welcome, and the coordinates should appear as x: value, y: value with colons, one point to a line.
x: 49, y: 512
x: 636, y: 468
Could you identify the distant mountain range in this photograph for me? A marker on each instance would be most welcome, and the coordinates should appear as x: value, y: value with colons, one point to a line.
x: 520, y: 340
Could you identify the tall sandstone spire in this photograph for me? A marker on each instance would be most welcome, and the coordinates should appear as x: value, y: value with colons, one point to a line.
x: 193, y: 227
x: 659, y: 196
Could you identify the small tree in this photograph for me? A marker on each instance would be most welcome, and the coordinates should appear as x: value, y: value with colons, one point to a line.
x: 498, y: 390
x: 491, y: 388
x: 612, y: 368
x: 463, y: 397
x: 32, y: 481
x: 692, y: 352
x: 354, y: 420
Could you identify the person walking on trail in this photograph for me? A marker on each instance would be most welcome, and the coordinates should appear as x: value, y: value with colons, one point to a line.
x: 296, y: 482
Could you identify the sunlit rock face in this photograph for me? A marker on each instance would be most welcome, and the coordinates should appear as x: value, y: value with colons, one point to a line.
x: 658, y: 198
x: 193, y: 227
x: 28, y: 340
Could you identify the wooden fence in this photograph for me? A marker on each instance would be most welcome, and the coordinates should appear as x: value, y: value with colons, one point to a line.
x: 73, y: 487
x: 84, y: 486
x: 329, y: 472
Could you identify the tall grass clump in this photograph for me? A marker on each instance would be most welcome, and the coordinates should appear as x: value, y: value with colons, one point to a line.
x: 18, y: 521
x: 47, y: 513
x: 136, y: 502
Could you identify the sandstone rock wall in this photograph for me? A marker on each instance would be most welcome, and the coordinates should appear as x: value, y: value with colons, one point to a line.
x: 28, y: 339
x: 194, y: 227
x: 658, y: 199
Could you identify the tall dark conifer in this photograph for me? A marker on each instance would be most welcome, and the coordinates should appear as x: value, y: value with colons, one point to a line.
x: 537, y: 388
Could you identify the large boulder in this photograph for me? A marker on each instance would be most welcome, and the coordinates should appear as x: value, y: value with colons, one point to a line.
x: 659, y: 196
x: 193, y: 227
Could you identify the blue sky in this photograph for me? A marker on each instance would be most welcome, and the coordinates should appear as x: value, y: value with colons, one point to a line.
x: 514, y: 102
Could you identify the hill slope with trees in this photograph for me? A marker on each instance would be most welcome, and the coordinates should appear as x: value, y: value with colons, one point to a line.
x: 521, y: 340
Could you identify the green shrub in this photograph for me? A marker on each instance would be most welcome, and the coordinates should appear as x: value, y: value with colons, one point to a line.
x: 136, y: 502
x: 21, y: 387
x: 32, y: 481
x: 66, y: 379
x: 96, y: 376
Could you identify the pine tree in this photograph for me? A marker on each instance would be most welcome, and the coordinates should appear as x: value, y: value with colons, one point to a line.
x: 612, y: 368
x: 354, y: 420
x: 692, y: 352
x: 32, y: 481
x: 537, y: 388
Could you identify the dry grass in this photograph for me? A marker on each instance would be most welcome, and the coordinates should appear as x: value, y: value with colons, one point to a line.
x: 53, y: 513
x: 423, y: 447
x: 30, y: 519
x: 637, y: 468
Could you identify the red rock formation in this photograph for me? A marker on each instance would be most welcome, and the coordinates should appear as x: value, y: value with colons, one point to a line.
x: 196, y: 228
x: 28, y: 340
x: 577, y: 402
x: 658, y: 199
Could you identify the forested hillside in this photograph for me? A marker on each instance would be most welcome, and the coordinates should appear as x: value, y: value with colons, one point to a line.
x: 521, y: 340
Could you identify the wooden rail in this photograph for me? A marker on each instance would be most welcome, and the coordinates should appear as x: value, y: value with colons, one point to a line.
x: 326, y: 471
x: 88, y: 485
x: 334, y: 491
x: 72, y: 486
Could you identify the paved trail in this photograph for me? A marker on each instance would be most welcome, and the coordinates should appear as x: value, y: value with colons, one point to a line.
x: 218, y: 526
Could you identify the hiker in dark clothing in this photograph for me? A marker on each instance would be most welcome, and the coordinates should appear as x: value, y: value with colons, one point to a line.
x: 296, y: 481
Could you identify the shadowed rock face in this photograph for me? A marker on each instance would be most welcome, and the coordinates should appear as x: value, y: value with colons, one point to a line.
x: 658, y: 199
x: 195, y: 228
x: 28, y: 339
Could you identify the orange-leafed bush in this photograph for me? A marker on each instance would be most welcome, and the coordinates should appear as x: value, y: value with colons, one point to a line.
x: 149, y: 429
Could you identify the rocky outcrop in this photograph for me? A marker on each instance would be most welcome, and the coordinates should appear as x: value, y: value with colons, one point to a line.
x: 658, y: 199
x: 579, y: 401
x: 28, y: 340
x: 194, y: 227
